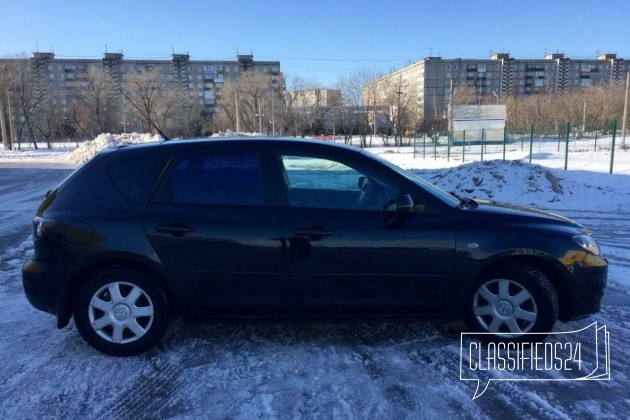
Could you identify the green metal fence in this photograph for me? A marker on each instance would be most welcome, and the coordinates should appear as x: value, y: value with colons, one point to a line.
x: 561, y: 138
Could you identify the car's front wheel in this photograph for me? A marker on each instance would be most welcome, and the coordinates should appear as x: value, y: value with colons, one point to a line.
x: 121, y: 312
x: 510, y: 301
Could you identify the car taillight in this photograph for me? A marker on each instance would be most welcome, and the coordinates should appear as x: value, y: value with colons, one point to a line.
x: 41, y: 227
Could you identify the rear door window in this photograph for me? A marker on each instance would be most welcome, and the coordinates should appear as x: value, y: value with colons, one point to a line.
x: 217, y: 178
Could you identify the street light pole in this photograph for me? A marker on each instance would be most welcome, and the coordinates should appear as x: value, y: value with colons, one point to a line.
x: 260, y: 116
x: 398, y: 128
x: 124, y: 121
x: 625, y: 112
x: 273, y: 115
x: 238, y: 119
x: 11, y: 126
x: 3, y: 129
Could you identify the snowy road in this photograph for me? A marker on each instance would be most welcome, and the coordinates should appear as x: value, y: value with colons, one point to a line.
x: 370, y: 369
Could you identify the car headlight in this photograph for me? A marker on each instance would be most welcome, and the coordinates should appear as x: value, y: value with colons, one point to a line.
x: 588, y: 243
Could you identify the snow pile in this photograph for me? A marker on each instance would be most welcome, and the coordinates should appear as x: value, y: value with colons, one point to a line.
x: 89, y: 149
x: 522, y: 183
x: 230, y: 133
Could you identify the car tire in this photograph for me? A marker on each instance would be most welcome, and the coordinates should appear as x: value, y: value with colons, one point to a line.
x: 510, y: 301
x: 121, y: 312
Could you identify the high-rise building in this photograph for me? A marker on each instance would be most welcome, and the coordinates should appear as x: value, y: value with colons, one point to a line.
x: 61, y: 79
x: 426, y: 85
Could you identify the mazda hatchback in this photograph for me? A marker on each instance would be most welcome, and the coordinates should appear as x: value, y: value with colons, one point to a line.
x: 286, y: 228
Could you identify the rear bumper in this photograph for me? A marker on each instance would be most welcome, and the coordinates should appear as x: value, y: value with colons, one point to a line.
x: 44, y: 289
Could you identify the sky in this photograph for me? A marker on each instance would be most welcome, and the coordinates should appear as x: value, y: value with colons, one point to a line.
x: 317, y: 40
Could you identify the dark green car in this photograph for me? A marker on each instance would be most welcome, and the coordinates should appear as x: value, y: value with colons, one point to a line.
x: 285, y: 228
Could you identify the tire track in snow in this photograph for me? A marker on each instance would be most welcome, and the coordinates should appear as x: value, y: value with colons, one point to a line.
x: 154, y: 393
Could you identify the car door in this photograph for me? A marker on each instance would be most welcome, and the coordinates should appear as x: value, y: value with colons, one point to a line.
x: 218, y: 238
x: 349, y: 252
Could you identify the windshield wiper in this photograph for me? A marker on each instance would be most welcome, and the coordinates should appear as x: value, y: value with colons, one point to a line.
x: 466, y: 202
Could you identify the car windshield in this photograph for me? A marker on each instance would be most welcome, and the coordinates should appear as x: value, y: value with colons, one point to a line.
x: 437, y: 192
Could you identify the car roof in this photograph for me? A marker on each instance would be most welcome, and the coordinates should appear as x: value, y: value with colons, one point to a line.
x: 195, y: 143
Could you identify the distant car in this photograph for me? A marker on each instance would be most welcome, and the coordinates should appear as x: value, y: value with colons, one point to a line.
x: 286, y: 228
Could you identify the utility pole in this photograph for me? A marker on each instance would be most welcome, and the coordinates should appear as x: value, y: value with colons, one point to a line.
x: 11, y: 127
x: 238, y: 119
x: 3, y: 128
x: 124, y: 121
x: 398, y: 127
x: 260, y: 116
x: 625, y: 112
x: 449, y: 109
x: 273, y: 115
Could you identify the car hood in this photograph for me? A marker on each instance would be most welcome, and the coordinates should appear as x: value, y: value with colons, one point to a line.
x: 505, y: 212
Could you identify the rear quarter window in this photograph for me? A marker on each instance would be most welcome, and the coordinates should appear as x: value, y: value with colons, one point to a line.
x: 136, y: 178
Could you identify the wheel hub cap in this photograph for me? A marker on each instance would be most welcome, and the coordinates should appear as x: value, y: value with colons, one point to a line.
x: 504, y: 308
x: 122, y: 312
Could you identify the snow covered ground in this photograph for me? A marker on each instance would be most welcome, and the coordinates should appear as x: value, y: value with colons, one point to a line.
x: 363, y: 369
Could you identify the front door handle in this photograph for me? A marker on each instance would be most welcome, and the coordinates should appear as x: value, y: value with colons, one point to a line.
x: 176, y: 229
x: 314, y: 233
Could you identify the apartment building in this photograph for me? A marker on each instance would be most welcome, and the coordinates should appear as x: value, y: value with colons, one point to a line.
x: 426, y: 86
x: 60, y: 79
x: 310, y: 98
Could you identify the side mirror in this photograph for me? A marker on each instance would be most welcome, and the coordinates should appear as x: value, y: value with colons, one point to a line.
x: 404, y: 203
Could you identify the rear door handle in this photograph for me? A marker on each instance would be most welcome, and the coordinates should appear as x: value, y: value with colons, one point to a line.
x: 314, y: 233
x: 176, y: 229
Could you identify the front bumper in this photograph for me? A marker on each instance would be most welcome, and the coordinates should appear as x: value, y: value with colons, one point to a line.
x: 589, y: 283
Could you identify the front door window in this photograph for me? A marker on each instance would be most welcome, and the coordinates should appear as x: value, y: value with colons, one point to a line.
x: 314, y: 182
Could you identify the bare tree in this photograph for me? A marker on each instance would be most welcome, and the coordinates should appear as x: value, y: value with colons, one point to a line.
x: 297, y: 119
x: 399, y: 95
x: 48, y: 122
x: 464, y: 94
x: 245, y: 103
x: 152, y: 98
x: 25, y: 98
x: 590, y: 108
x: 98, y: 103
x: 187, y: 114
x: 5, y: 123
x: 361, y: 98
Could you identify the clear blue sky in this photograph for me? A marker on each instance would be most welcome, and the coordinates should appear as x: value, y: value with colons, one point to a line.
x: 317, y: 40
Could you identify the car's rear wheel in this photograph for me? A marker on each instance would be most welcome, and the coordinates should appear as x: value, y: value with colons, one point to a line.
x: 121, y: 312
x: 510, y: 301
